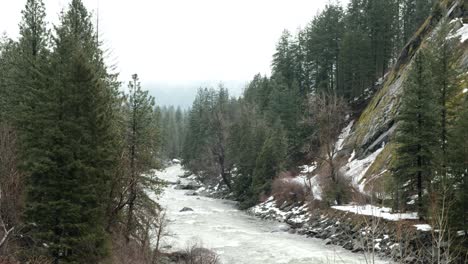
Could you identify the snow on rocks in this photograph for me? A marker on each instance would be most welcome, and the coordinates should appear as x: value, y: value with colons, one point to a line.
x: 293, y: 214
x: 462, y: 33
x: 355, y: 169
x: 342, y: 137
x: 381, y: 212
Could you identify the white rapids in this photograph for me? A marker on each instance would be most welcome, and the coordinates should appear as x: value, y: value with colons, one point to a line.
x: 237, y: 237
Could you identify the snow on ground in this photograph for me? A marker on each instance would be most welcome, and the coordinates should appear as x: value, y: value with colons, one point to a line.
x: 344, y: 134
x: 355, y: 169
x: 316, y: 188
x: 310, y: 182
x: 465, y: 90
x: 308, y: 168
x: 423, y: 227
x: 381, y: 212
x: 237, y: 237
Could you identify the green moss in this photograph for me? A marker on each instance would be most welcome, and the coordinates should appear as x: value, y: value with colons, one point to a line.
x: 382, y: 161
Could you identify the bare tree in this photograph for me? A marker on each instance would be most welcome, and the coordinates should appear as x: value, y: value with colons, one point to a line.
x: 219, y: 125
x: 161, y: 232
x: 329, y: 115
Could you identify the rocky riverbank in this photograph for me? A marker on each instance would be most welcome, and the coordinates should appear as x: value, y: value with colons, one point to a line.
x: 401, y: 241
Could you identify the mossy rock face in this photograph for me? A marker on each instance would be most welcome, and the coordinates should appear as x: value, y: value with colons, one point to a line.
x: 377, y: 123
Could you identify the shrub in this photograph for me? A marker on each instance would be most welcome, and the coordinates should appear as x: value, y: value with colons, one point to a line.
x: 286, y: 188
x: 195, y: 254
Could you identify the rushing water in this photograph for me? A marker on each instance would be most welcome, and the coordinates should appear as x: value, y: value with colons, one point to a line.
x: 237, y: 237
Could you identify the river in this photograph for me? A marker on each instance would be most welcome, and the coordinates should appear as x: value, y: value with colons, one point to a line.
x: 237, y: 237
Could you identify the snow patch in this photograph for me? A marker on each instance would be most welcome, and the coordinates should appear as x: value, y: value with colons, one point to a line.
x: 312, y: 182
x: 344, y: 134
x: 462, y: 33
x: 465, y: 90
x: 308, y: 168
x: 381, y: 212
x: 357, y: 168
x: 423, y: 227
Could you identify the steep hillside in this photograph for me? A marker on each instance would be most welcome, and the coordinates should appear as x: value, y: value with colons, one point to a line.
x: 373, y: 130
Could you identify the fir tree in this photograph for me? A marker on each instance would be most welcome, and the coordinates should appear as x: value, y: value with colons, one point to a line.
x: 458, y: 154
x: 444, y: 54
x: 142, y: 147
x: 270, y: 161
x: 72, y: 161
x: 417, y: 133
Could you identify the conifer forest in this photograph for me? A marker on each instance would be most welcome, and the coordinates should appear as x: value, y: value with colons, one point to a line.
x: 353, y: 148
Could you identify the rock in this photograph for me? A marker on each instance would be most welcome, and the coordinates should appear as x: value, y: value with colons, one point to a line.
x: 348, y: 245
x: 186, y: 209
x: 191, y: 193
x: 188, y: 186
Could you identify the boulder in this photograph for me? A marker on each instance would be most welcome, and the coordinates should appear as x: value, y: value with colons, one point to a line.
x: 186, y: 209
x: 191, y: 193
x: 188, y: 186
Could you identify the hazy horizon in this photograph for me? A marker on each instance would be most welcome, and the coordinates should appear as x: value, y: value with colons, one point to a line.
x: 178, y: 46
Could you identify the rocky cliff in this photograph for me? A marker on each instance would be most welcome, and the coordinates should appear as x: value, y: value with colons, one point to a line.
x: 375, y: 127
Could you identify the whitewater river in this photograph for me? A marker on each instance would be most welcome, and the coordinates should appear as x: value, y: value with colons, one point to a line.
x: 237, y: 237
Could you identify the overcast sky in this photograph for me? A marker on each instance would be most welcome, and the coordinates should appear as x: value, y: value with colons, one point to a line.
x: 186, y: 43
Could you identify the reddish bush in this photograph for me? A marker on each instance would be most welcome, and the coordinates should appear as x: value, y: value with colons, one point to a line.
x: 286, y: 188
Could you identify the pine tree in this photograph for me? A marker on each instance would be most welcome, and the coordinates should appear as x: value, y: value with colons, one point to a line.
x: 248, y: 135
x: 323, y: 37
x: 417, y: 133
x: 71, y: 162
x: 142, y: 146
x: 414, y: 13
x: 444, y: 54
x: 458, y: 154
x: 270, y: 161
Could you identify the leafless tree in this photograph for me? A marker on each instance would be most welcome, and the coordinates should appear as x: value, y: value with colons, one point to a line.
x: 161, y: 232
x: 219, y: 123
x: 328, y: 112
x: 197, y: 254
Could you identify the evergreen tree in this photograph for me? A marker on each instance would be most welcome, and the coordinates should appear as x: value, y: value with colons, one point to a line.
x: 444, y: 54
x: 270, y: 161
x: 71, y: 162
x: 414, y: 13
x: 458, y: 154
x: 323, y: 37
x: 142, y: 147
x: 248, y: 135
x: 417, y: 133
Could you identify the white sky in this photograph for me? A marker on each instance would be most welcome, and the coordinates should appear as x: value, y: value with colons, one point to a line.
x: 183, y: 41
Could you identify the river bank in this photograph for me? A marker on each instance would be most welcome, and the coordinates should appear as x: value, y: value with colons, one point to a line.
x: 236, y: 236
